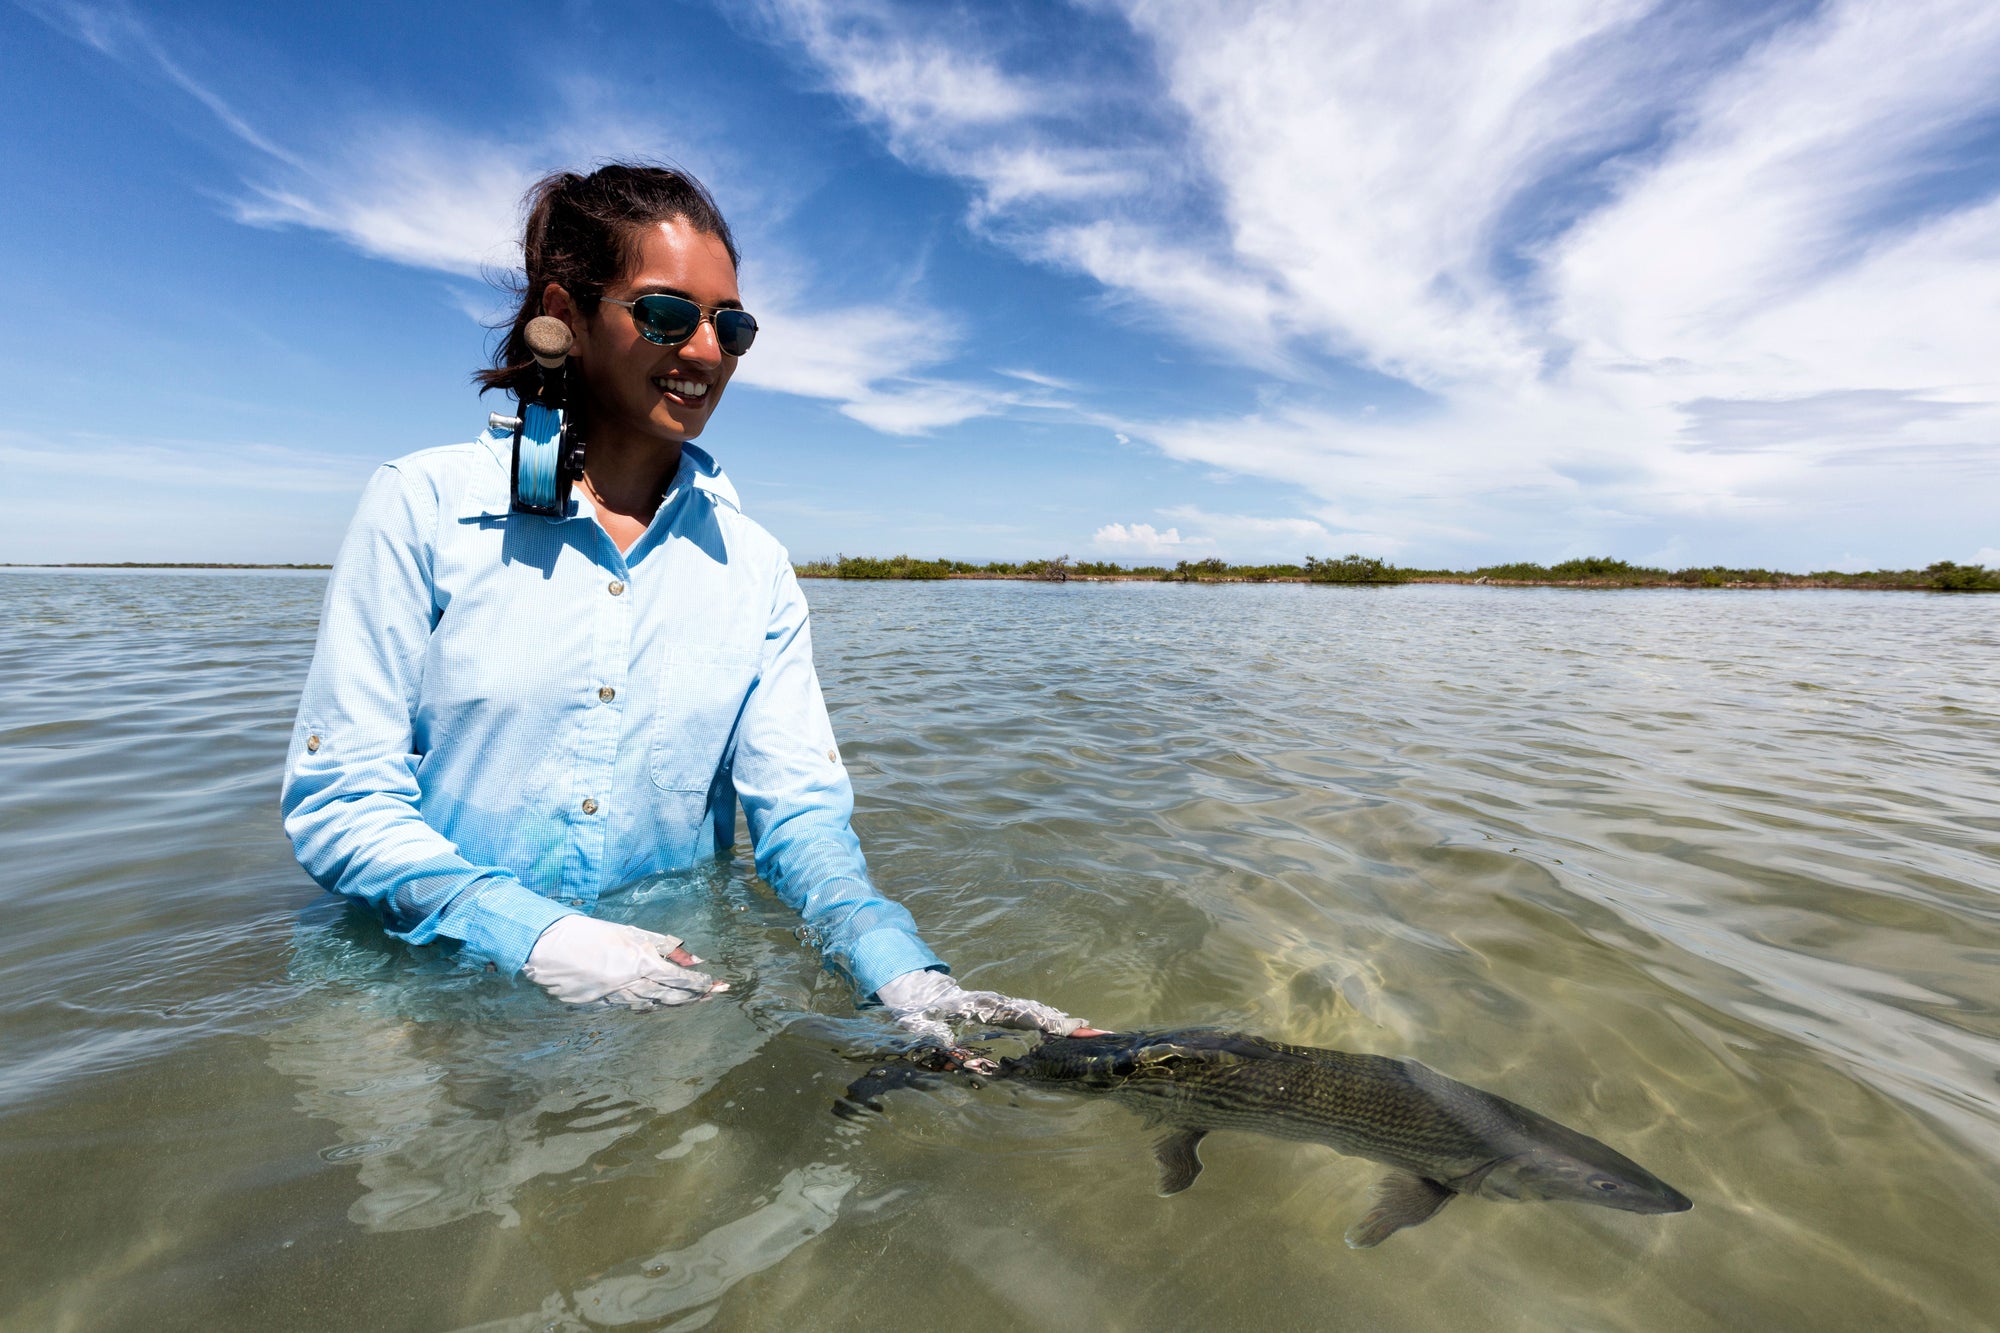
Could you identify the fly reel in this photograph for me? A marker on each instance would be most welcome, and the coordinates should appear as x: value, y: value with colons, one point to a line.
x: 548, y: 456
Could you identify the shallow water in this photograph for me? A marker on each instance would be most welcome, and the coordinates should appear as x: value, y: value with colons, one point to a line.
x: 1714, y: 877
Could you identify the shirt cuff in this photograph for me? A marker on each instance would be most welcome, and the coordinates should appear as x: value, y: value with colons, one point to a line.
x: 883, y: 955
x: 499, y: 922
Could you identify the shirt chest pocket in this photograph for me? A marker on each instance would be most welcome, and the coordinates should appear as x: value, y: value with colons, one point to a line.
x: 702, y: 691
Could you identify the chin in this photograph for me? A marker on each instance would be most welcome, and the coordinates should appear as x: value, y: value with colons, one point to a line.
x: 679, y: 430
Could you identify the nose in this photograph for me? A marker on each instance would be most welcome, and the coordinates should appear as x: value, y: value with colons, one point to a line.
x: 703, y: 346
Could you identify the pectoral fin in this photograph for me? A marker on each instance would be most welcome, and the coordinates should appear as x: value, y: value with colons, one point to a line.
x: 1179, y: 1163
x: 1401, y: 1200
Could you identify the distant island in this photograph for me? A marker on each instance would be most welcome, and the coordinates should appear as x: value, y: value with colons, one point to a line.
x: 1590, y: 572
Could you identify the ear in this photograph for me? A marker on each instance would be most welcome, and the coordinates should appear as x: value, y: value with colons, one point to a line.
x: 558, y: 302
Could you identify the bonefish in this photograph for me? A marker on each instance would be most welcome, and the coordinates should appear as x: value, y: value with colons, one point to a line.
x: 1439, y: 1137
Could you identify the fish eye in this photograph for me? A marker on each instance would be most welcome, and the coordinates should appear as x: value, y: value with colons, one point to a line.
x: 1605, y: 1183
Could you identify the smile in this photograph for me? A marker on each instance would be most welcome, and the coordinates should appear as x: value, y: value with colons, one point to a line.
x: 692, y: 390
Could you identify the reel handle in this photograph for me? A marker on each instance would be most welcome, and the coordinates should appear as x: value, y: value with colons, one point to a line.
x: 548, y: 454
x: 548, y: 340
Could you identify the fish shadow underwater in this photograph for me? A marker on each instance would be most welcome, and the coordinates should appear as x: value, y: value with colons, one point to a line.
x: 1439, y: 1137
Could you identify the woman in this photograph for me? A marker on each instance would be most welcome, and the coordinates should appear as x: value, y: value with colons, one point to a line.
x: 510, y: 714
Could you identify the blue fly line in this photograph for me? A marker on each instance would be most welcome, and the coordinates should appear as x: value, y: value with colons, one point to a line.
x: 541, y: 435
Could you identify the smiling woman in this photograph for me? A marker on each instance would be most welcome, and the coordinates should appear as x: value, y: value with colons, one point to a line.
x: 513, y: 712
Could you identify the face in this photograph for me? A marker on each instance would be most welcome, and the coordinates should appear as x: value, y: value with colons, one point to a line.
x: 638, y: 389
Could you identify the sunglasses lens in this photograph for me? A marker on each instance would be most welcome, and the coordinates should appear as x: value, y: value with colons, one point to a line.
x: 667, y: 320
x: 735, y: 330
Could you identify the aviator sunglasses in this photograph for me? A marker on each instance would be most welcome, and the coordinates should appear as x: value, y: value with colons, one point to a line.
x: 672, y: 320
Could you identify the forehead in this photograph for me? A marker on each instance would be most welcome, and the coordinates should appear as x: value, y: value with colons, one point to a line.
x: 676, y: 256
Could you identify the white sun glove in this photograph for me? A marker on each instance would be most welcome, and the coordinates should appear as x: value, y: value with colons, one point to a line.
x: 924, y: 1002
x: 582, y: 960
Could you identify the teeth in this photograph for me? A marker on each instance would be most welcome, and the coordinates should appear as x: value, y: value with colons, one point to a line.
x: 685, y: 388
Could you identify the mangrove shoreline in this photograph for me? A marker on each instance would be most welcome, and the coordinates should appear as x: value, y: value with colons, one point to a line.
x: 1356, y: 570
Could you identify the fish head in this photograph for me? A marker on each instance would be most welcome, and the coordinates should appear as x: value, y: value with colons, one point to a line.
x: 1588, y: 1172
x: 1112, y: 1060
x: 1085, y: 1062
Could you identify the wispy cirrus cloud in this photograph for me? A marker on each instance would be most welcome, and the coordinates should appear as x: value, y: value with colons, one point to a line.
x: 1471, y: 278
x: 1640, y: 264
x: 875, y: 362
x: 414, y: 191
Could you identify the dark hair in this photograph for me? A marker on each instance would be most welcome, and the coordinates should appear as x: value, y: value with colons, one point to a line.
x: 580, y: 235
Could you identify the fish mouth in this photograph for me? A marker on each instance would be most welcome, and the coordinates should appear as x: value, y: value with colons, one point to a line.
x: 1654, y: 1197
x: 1667, y: 1200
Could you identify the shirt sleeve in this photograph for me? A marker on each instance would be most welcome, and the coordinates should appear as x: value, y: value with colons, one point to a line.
x: 351, y: 803
x: 798, y: 801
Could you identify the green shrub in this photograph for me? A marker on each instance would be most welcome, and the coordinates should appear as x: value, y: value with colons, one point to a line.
x: 1518, y: 570
x: 1352, y: 569
x: 896, y: 567
x: 1946, y: 576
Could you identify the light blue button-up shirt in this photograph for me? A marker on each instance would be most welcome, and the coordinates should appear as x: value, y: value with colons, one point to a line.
x: 506, y: 716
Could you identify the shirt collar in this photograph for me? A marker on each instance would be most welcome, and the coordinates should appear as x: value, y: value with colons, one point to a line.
x: 707, y: 475
x: 491, y: 491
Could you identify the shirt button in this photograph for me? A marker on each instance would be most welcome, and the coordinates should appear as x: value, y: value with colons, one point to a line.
x: 617, y: 586
x: 605, y: 694
x: 312, y: 745
x: 589, y: 805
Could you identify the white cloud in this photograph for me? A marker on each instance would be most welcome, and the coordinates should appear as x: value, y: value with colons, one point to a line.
x: 915, y: 88
x: 1715, y: 273
x: 119, y: 33
x: 428, y: 198
x: 838, y: 353
x: 410, y: 191
x: 1637, y: 266
x: 1988, y: 556
x: 1240, y: 538
x: 1253, y: 536
x: 1037, y: 377
x: 869, y: 359
x: 1139, y: 539
x: 413, y: 195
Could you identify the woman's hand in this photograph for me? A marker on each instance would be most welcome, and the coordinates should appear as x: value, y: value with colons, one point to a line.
x: 582, y: 960
x: 924, y: 1003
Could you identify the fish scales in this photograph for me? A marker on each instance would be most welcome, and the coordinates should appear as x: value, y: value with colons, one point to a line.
x: 1362, y: 1105
x: 1442, y: 1138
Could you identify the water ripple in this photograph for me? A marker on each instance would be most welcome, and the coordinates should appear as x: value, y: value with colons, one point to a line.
x: 1713, y: 875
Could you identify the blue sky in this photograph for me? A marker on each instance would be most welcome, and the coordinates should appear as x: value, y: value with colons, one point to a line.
x: 1448, y: 282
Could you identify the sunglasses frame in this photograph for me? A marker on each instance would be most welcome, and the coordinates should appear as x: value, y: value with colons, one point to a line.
x: 706, y: 313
